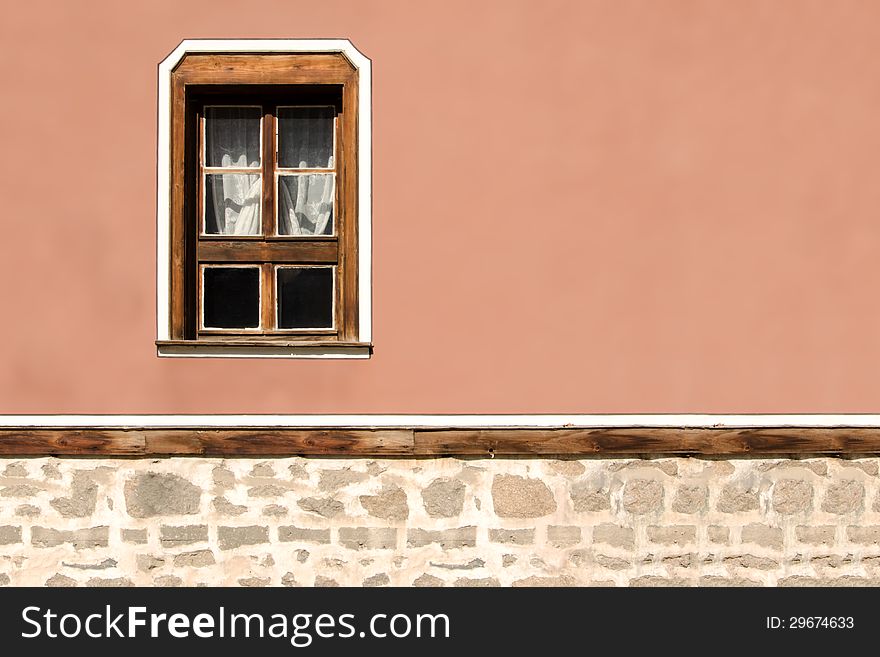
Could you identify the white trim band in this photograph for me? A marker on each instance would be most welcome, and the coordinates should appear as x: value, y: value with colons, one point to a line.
x: 585, y: 421
x: 264, y: 351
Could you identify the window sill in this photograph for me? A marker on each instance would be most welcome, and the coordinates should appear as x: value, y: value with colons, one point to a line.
x: 252, y: 349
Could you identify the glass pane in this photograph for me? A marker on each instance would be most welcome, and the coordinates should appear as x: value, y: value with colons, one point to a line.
x: 305, y: 297
x: 233, y: 204
x: 231, y: 297
x: 232, y: 136
x: 305, y: 137
x: 305, y: 204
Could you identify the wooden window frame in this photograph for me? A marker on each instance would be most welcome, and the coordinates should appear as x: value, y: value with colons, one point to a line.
x: 269, y: 249
x: 271, y: 74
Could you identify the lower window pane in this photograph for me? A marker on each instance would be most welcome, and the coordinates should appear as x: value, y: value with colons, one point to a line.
x: 231, y: 297
x: 305, y: 297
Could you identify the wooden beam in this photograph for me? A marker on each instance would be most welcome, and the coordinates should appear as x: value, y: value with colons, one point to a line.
x: 277, y: 68
x: 416, y: 442
x: 278, y: 251
x: 205, y: 442
x: 286, y: 442
x: 638, y: 441
x: 71, y: 442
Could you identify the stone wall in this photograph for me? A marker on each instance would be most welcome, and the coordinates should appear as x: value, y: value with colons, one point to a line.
x: 439, y: 522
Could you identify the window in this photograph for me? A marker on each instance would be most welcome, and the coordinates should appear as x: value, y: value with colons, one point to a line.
x: 264, y: 200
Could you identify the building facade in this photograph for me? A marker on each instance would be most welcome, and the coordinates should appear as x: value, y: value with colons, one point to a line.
x: 519, y: 291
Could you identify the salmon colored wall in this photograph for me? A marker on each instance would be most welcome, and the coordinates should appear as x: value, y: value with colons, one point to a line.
x: 584, y: 206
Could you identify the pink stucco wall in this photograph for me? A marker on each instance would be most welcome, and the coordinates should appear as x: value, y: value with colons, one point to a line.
x: 578, y: 207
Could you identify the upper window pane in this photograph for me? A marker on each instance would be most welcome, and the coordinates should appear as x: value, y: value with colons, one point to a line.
x: 232, y: 136
x: 232, y: 204
x: 305, y: 204
x: 305, y: 137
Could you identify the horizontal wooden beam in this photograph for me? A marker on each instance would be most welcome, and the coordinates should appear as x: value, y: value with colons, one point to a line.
x: 205, y: 442
x: 654, y: 440
x: 277, y: 251
x: 421, y: 442
x: 277, y: 68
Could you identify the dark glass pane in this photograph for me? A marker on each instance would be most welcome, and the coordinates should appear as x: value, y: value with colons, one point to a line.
x: 305, y: 297
x: 305, y: 137
x: 231, y: 297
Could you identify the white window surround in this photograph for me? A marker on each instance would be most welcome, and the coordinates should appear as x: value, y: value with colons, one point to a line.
x: 163, y: 198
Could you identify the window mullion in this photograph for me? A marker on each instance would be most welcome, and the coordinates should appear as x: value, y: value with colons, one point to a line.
x: 267, y: 296
x: 268, y: 215
x: 268, y: 171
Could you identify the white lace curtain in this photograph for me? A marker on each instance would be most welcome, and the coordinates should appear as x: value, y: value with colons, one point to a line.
x: 305, y: 204
x: 232, y: 139
x: 305, y: 201
x: 305, y: 141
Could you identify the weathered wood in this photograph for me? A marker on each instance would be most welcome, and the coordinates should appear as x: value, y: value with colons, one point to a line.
x: 277, y: 68
x: 204, y: 442
x: 268, y: 169
x: 347, y: 194
x: 417, y: 442
x: 279, y: 339
x: 280, y: 442
x: 287, y: 251
x: 267, y: 297
x: 178, y: 237
x: 71, y: 442
x: 642, y: 440
x: 269, y: 80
